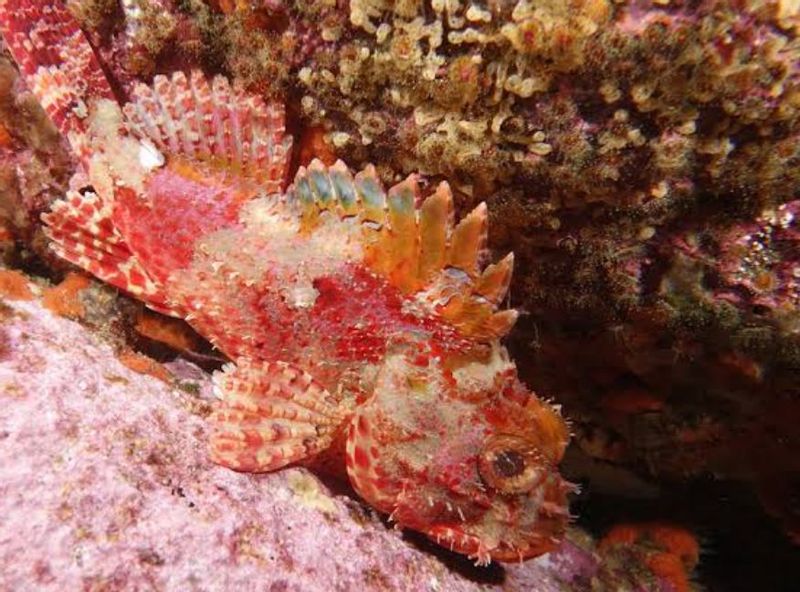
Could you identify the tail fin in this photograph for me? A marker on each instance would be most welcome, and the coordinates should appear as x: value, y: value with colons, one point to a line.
x: 57, y: 62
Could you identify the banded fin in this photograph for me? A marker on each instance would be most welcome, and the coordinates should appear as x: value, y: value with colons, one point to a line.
x: 57, y: 62
x: 215, y: 123
x: 494, y: 281
x: 272, y: 414
x: 468, y: 242
x: 82, y: 232
x: 416, y: 246
x: 436, y: 218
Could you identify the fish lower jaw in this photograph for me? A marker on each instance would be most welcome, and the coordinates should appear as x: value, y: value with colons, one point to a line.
x: 483, y: 551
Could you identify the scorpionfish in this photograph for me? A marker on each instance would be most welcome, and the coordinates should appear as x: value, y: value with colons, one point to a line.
x: 362, y: 324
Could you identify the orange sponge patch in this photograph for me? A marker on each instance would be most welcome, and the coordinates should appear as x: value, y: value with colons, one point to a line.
x: 172, y: 332
x: 678, y: 541
x: 141, y: 364
x: 621, y: 534
x: 14, y: 285
x: 670, y: 551
x: 64, y: 299
x: 670, y: 567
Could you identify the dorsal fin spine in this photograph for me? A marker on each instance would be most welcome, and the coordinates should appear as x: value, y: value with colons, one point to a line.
x: 219, y: 87
x: 495, y: 279
x: 373, y: 197
x: 239, y: 119
x: 321, y: 186
x: 414, y: 246
x: 183, y: 102
x: 436, y: 222
x: 245, y: 132
x: 211, y: 121
x: 203, y: 116
x: 165, y: 101
x: 469, y: 240
x: 346, y: 195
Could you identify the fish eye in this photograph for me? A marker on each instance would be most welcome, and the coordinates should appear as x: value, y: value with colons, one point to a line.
x: 511, y: 465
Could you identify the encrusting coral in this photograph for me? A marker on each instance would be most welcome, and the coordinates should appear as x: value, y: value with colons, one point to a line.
x: 586, y: 100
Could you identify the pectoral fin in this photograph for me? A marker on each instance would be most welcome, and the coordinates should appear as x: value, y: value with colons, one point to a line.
x: 271, y: 415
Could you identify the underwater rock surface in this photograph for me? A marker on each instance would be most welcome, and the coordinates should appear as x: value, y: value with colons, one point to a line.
x: 105, y: 483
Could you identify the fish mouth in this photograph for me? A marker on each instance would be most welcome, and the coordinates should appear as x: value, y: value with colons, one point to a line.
x: 508, y: 553
x: 484, y: 552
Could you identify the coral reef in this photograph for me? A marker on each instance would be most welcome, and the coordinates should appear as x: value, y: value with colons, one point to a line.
x: 586, y: 101
x: 670, y: 551
x: 105, y: 473
x: 640, y: 157
x: 14, y: 285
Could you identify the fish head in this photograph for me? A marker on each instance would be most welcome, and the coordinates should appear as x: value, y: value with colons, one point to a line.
x: 456, y: 447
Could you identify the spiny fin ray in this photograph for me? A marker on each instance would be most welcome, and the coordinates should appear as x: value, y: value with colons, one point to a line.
x: 469, y: 240
x: 213, y: 122
x: 414, y: 245
x: 82, y: 232
x: 272, y: 414
x: 495, y: 279
x: 435, y: 223
x: 401, y: 239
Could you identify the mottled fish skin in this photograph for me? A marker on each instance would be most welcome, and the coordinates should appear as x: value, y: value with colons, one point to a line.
x: 363, y: 326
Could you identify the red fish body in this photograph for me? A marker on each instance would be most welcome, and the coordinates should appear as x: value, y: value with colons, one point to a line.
x: 362, y: 326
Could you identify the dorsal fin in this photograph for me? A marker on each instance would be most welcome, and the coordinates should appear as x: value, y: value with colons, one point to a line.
x: 215, y: 123
x: 57, y: 62
x: 415, y: 246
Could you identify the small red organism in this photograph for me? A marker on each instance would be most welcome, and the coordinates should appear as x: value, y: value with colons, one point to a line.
x: 171, y: 332
x: 670, y: 551
x: 362, y: 322
x: 141, y: 364
x: 64, y: 299
x: 14, y: 285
